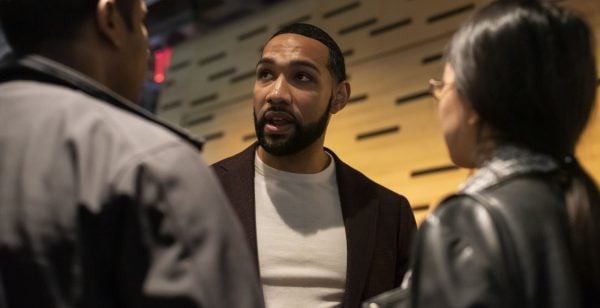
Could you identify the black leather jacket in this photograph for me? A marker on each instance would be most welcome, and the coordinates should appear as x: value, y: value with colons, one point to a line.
x: 505, y: 247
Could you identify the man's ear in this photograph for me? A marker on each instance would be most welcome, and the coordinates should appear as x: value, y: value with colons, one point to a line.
x: 340, y: 97
x: 110, y: 22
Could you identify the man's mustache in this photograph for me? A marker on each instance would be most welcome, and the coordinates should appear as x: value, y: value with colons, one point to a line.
x: 278, y: 109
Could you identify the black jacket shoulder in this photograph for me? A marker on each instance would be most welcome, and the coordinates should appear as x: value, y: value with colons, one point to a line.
x: 514, y: 250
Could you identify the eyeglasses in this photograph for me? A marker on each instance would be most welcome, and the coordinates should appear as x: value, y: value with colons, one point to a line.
x: 435, y: 88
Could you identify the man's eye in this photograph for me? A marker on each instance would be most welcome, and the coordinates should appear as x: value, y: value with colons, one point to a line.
x: 264, y: 75
x: 304, y: 77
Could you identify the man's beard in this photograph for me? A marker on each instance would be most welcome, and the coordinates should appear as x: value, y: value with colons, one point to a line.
x: 301, y: 138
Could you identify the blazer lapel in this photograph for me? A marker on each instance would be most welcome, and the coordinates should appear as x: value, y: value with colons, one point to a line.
x: 359, y: 209
x: 237, y: 176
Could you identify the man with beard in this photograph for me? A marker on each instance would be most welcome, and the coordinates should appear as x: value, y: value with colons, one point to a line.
x: 323, y: 234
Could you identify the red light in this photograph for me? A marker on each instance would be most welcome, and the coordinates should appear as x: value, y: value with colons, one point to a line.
x: 162, y: 60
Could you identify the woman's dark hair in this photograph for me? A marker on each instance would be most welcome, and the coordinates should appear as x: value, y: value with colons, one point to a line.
x: 335, y: 63
x: 529, y: 71
x: 29, y: 24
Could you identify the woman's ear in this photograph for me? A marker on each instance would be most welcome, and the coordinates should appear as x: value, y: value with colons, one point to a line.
x: 341, y: 96
x: 473, y: 118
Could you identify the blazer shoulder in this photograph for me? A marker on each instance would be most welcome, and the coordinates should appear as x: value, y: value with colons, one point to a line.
x: 240, y: 160
x: 224, y: 164
x: 383, y: 193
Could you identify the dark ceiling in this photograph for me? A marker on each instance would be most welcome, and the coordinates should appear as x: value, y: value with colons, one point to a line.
x: 172, y: 21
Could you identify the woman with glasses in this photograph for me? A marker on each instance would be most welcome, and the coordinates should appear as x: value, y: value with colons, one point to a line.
x: 517, y: 91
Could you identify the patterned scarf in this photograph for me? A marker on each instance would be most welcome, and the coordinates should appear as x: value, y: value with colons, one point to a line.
x: 507, y: 161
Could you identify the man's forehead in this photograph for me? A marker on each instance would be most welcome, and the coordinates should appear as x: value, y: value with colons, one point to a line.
x: 296, y: 46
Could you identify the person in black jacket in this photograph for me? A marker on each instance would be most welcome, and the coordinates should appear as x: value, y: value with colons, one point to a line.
x: 524, y: 230
x: 101, y: 204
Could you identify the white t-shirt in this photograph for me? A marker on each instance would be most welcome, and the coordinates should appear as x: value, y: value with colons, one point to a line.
x: 301, y: 237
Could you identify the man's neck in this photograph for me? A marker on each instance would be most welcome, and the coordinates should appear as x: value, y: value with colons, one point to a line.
x: 310, y: 160
x: 83, y: 56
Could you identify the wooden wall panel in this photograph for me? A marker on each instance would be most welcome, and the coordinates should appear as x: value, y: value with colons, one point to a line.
x: 589, y: 146
x: 390, y: 132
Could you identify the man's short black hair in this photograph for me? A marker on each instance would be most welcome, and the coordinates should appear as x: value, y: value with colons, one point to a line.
x: 29, y: 24
x: 335, y: 64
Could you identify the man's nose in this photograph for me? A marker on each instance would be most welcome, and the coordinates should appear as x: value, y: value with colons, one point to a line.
x: 279, y: 92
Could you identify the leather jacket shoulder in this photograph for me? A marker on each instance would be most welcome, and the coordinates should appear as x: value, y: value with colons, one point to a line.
x: 507, y: 247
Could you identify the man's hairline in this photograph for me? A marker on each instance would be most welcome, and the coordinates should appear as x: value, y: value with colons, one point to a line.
x: 329, y: 51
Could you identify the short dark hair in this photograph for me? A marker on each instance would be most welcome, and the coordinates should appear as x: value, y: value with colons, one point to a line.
x: 335, y: 63
x: 28, y: 24
x: 528, y: 69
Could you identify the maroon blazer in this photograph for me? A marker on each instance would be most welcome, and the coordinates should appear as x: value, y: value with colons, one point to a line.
x: 379, y: 224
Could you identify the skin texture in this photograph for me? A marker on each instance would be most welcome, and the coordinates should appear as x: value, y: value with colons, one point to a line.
x: 294, y: 96
x: 459, y: 123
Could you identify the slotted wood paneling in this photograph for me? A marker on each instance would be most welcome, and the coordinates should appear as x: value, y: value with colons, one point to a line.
x: 392, y: 48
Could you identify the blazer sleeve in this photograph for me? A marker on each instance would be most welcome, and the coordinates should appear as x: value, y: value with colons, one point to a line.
x: 192, y: 250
